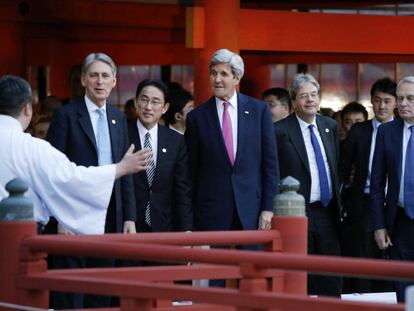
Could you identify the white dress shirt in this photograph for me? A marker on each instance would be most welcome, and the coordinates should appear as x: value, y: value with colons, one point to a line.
x: 406, y: 137
x: 315, y: 194
x: 232, y: 109
x: 76, y: 196
x: 174, y: 129
x: 142, y: 130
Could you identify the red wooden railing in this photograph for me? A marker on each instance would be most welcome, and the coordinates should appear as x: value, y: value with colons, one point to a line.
x: 267, y: 280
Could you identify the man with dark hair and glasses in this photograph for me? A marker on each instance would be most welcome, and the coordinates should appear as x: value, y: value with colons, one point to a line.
x: 163, y: 193
x: 278, y: 100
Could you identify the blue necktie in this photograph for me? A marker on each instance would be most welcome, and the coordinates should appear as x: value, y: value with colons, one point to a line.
x: 104, y: 141
x: 323, y: 177
x: 150, y: 177
x: 409, y: 177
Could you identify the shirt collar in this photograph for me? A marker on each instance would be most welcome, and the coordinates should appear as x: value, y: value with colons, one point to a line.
x: 142, y: 130
x: 174, y: 129
x: 304, y: 125
x: 91, y: 106
x: 232, y: 101
x: 375, y: 123
x: 407, y: 126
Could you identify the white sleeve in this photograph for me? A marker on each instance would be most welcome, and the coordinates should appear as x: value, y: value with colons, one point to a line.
x: 76, y: 196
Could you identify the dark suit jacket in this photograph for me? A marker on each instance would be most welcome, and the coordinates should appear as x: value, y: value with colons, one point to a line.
x: 355, y: 158
x: 170, y: 193
x: 386, y: 163
x: 71, y: 132
x: 293, y: 159
x: 219, y: 188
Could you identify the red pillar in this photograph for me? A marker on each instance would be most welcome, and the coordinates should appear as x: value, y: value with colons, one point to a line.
x: 257, y: 76
x: 294, y: 233
x: 221, y: 30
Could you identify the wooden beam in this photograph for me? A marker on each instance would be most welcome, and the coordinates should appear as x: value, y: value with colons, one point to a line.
x: 321, y: 33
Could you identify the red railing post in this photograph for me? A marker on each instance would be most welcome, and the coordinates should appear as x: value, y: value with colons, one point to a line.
x: 134, y: 304
x: 12, y: 233
x: 251, y: 282
x: 294, y: 233
x: 291, y: 222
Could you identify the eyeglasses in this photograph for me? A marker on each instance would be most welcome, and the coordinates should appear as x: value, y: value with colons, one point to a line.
x: 154, y: 102
x: 410, y: 99
x: 311, y: 95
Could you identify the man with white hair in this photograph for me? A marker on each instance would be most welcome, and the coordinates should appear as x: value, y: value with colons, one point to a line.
x: 232, y: 151
x: 392, y: 182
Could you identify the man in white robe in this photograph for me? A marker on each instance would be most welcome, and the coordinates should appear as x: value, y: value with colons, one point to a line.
x: 76, y: 196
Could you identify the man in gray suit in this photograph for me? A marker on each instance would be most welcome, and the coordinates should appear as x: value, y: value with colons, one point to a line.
x: 307, y: 145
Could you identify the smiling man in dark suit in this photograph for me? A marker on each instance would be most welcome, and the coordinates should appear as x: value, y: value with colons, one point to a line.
x: 307, y: 145
x: 163, y: 193
x: 233, y: 160
x: 92, y: 132
x: 392, y: 182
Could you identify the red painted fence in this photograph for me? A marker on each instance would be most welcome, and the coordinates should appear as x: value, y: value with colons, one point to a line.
x: 274, y: 279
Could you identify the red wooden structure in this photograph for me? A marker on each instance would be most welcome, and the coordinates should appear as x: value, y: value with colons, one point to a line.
x: 59, y: 34
x: 267, y: 280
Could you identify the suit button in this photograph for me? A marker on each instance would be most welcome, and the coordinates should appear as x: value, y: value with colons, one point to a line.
x: 150, y: 192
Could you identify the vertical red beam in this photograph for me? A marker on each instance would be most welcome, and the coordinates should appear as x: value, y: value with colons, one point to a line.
x: 221, y: 30
x: 12, y: 51
x: 257, y: 76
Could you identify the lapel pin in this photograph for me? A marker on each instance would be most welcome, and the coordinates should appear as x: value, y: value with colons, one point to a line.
x: 246, y: 112
x: 327, y: 130
x: 164, y: 150
x: 113, y: 121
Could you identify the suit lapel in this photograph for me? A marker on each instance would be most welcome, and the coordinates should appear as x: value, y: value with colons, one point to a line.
x: 367, y: 140
x: 399, y: 128
x: 296, y: 138
x: 328, y: 141
x: 86, y: 123
x: 140, y: 177
x: 113, y: 126
x: 243, y: 114
x: 162, y: 150
x: 214, y: 124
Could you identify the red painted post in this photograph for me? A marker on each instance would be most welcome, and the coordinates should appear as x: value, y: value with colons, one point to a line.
x: 11, y: 235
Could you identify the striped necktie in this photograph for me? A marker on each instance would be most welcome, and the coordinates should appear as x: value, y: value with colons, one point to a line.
x: 150, y: 177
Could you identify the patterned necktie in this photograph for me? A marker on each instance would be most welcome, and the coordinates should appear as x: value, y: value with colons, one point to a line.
x: 409, y: 177
x: 150, y: 177
x: 323, y: 177
x: 227, y: 131
x: 104, y: 141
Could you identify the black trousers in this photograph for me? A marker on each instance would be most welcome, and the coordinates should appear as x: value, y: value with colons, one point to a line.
x: 323, y: 239
x: 403, y: 249
x: 71, y: 300
x: 357, y: 240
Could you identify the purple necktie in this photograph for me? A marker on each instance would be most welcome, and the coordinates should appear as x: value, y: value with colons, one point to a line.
x: 227, y: 130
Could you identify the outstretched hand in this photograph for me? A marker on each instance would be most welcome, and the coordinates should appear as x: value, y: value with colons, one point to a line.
x: 133, y: 162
